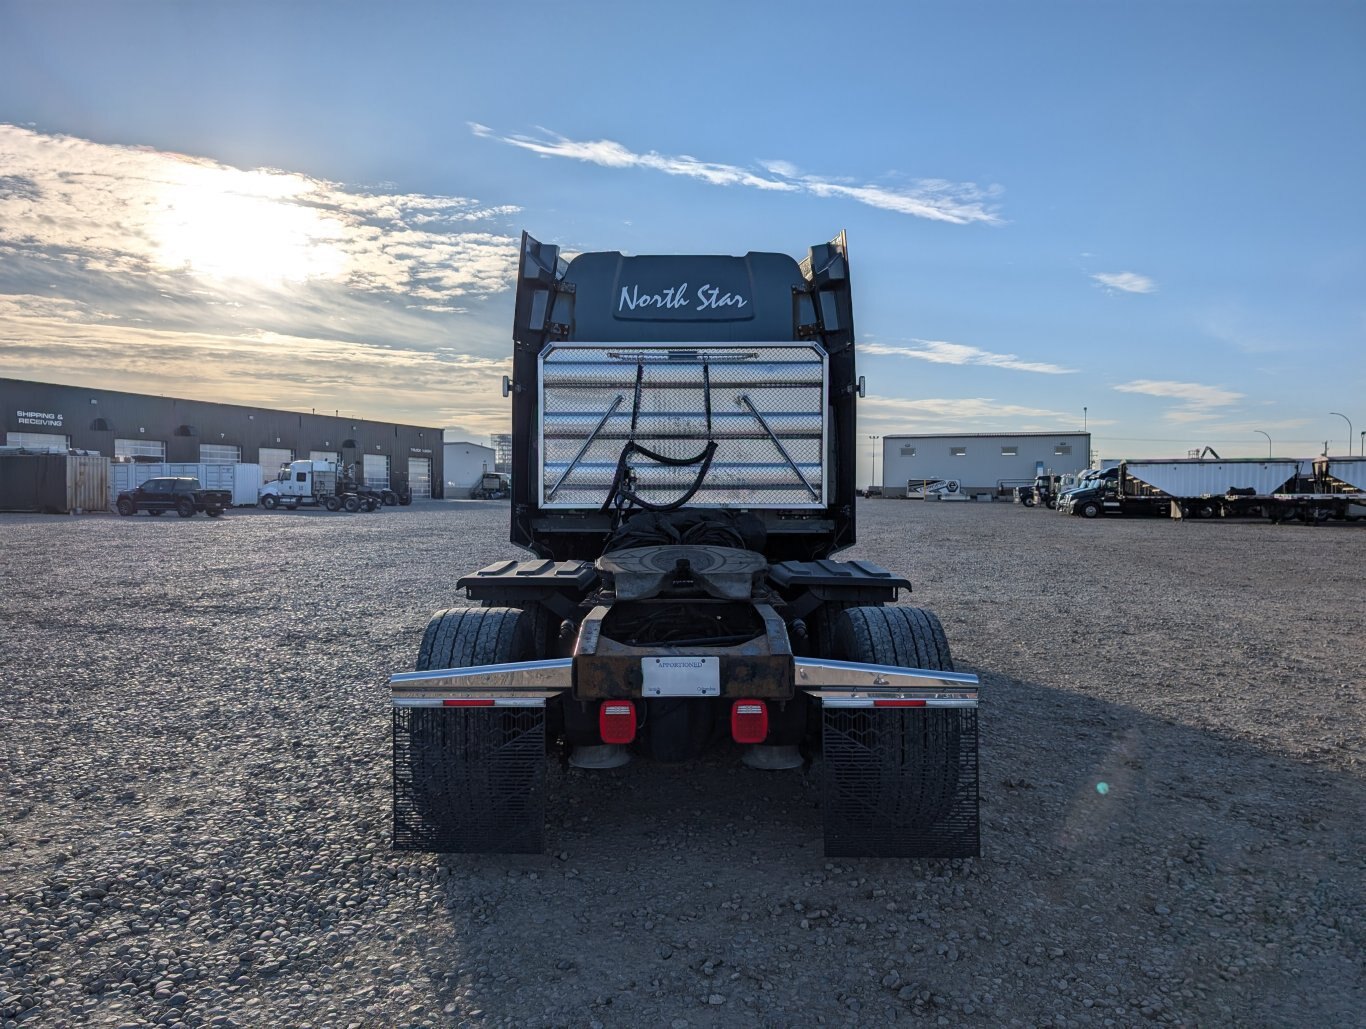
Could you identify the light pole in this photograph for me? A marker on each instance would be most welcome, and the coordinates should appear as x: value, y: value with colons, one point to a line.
x: 1268, y: 442
x: 1349, y: 430
x: 872, y: 474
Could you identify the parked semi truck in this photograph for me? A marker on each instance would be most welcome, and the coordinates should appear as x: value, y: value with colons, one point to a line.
x: 316, y: 484
x: 683, y: 476
x: 491, y: 486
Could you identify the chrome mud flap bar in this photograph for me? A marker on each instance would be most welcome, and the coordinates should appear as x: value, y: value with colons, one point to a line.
x: 899, y: 759
x: 469, y: 757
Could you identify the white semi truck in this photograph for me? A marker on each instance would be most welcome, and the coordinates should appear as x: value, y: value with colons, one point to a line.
x: 313, y: 484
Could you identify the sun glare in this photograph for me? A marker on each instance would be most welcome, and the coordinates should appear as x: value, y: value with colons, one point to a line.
x: 227, y: 225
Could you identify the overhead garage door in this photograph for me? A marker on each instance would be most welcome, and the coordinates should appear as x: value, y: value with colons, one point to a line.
x: 420, y: 477
x: 271, y: 460
x: 37, y: 440
x: 375, y: 470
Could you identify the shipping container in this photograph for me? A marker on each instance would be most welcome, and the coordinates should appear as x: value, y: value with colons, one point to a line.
x: 54, y: 483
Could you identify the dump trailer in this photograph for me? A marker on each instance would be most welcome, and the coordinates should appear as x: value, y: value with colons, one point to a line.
x: 1333, y: 489
x: 683, y: 475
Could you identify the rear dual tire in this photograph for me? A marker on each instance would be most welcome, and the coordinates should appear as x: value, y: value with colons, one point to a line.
x: 471, y: 779
x: 900, y: 782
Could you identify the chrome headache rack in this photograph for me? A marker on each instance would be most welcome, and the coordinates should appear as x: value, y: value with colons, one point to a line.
x: 739, y: 425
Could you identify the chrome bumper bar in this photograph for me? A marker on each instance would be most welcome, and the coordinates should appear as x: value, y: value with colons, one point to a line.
x: 834, y: 683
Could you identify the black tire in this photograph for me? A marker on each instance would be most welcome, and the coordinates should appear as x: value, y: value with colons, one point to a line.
x: 905, y: 637
x: 464, y: 637
x: 1027, y: 501
x: 475, y: 786
x: 270, y: 502
x: 213, y: 512
x: 369, y: 504
x: 390, y: 498
x: 332, y: 503
x: 1090, y: 509
x: 352, y: 504
x: 126, y: 507
x: 184, y: 507
x: 891, y: 775
x: 405, y: 500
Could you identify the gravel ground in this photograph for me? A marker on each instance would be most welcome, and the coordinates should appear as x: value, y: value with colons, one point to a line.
x: 194, y: 795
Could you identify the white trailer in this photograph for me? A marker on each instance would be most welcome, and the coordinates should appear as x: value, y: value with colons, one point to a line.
x: 1193, y: 478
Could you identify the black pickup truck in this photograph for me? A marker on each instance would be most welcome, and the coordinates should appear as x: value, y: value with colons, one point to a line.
x: 182, y: 495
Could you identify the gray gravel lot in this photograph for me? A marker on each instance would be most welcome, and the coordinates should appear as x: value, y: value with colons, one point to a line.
x: 194, y: 795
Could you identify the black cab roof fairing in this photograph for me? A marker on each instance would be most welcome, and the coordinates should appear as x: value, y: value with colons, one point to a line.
x: 608, y: 297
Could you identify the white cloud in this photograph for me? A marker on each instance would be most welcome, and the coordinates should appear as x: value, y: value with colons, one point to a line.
x: 941, y: 352
x: 1189, y: 392
x: 135, y: 211
x: 1127, y: 282
x: 960, y: 203
x: 967, y: 414
x: 122, y: 266
x: 257, y: 368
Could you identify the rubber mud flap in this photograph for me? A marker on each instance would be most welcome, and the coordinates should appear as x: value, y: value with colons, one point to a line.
x: 469, y: 780
x: 900, y: 782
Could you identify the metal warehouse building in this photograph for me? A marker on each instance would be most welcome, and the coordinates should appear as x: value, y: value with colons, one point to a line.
x: 980, y: 462
x: 138, y: 427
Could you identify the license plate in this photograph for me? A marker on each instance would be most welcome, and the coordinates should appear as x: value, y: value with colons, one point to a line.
x: 681, y: 676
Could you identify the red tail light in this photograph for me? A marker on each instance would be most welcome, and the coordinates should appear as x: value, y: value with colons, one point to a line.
x: 617, y: 721
x: 461, y: 702
x: 898, y: 703
x: 749, y: 721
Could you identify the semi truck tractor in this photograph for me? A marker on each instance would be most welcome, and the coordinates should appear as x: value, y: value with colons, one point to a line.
x: 315, y: 484
x: 684, y: 434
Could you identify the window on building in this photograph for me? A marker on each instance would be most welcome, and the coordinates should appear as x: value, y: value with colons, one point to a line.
x: 139, y: 450
x: 37, y: 440
x: 908, y: 451
x: 958, y: 451
x: 1010, y: 451
x: 1063, y: 448
x: 220, y: 453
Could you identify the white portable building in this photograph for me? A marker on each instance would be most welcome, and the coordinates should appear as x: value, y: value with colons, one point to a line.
x: 980, y: 462
x: 465, y: 463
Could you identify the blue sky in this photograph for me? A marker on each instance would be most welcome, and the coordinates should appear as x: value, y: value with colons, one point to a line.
x: 1152, y: 211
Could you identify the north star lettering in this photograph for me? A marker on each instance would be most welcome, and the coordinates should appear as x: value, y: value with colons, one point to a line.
x: 708, y: 298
